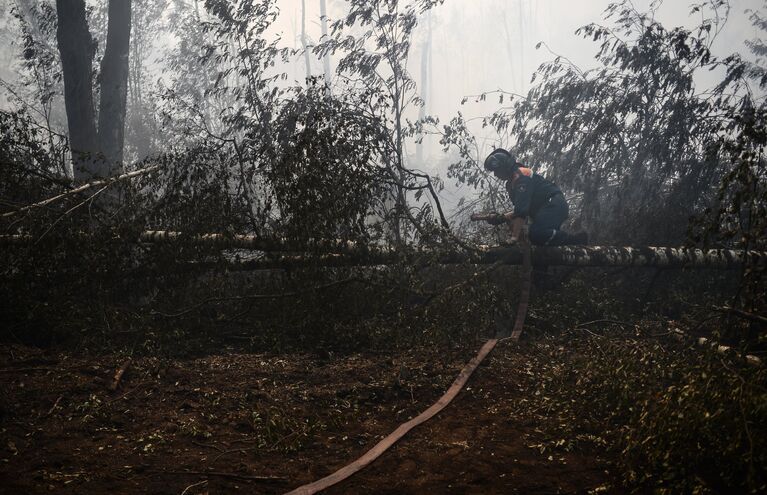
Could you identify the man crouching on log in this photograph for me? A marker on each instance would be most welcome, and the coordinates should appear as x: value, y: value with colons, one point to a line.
x: 534, y: 197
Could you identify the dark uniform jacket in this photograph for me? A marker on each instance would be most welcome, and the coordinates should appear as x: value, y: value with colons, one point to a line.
x: 529, y: 192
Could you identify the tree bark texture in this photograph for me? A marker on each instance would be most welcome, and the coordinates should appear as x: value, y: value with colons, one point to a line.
x: 424, y: 86
x: 326, y: 57
x: 648, y: 256
x: 251, y: 242
x: 96, y: 151
x: 346, y: 253
x: 114, y: 84
x: 77, y: 49
x: 304, y: 43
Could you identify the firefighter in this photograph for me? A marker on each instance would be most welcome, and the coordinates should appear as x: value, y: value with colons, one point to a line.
x: 534, y: 197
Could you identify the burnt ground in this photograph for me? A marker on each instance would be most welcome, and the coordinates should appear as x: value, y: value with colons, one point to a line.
x: 204, y: 425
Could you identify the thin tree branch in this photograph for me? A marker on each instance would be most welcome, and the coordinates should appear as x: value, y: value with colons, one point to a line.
x: 100, y: 182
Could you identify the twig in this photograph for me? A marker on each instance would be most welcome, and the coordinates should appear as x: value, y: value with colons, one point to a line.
x: 209, y: 446
x: 622, y: 323
x: 742, y: 314
x: 137, y: 387
x: 224, y: 452
x: 55, y: 405
x: 78, y: 205
x: 279, y: 441
x: 224, y: 475
x: 119, y: 375
x: 592, y: 333
x: 193, y: 485
x: 22, y: 370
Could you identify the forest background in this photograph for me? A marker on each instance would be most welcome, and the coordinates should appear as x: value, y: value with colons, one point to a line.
x: 356, y: 184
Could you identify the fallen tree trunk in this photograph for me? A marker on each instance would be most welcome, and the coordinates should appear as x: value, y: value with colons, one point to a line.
x: 663, y: 257
x: 668, y: 257
x: 659, y: 257
x: 241, y: 241
x: 287, y: 253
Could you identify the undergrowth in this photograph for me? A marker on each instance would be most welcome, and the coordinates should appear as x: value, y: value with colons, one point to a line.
x: 674, y: 416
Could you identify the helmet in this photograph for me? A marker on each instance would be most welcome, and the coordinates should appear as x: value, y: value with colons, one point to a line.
x: 500, y: 159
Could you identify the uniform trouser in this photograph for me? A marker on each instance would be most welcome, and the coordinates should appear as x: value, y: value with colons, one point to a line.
x: 545, y: 228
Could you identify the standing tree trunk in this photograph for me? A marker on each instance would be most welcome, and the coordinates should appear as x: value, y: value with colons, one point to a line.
x: 522, y: 84
x: 77, y: 49
x: 326, y: 57
x: 94, y: 153
x: 303, y: 40
x: 114, y: 84
x: 425, y: 83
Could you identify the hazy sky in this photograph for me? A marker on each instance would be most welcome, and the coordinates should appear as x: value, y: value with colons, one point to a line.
x: 476, y: 46
x: 484, y: 45
x: 471, y: 52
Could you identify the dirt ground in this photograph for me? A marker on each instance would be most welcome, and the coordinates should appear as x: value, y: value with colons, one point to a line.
x: 266, y: 424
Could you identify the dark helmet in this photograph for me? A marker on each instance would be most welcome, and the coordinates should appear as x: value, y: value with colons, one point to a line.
x: 500, y: 159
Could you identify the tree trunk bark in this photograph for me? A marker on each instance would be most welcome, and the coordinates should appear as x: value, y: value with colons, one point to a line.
x: 114, y: 85
x: 326, y: 57
x: 77, y: 49
x: 522, y: 47
x: 347, y: 253
x: 645, y: 256
x: 303, y: 40
x: 424, y: 82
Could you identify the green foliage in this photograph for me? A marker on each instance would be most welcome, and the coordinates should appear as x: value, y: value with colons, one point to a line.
x: 375, y: 63
x: 324, y: 176
x: 245, y: 154
x: 738, y: 216
x: 683, y: 420
x: 675, y: 417
x: 633, y: 138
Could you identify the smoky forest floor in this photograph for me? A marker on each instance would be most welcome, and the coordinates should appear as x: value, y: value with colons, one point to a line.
x: 205, y: 424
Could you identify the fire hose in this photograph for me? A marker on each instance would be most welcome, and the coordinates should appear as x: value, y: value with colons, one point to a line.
x: 519, y: 235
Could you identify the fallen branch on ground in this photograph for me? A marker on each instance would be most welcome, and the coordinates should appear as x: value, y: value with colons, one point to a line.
x: 55, y: 405
x: 742, y: 314
x: 119, y: 375
x: 224, y: 475
x: 614, y: 322
x: 192, y: 486
x: 750, y: 359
